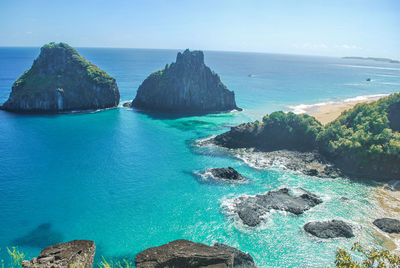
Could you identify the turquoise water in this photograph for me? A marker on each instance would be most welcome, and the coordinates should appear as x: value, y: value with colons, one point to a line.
x: 124, y: 179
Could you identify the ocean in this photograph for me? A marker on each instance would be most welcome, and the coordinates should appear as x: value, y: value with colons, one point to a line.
x: 126, y: 179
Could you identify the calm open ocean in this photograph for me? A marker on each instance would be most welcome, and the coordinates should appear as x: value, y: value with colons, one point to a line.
x: 124, y: 179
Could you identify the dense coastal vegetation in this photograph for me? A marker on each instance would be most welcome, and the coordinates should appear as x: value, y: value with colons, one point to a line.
x: 363, y: 142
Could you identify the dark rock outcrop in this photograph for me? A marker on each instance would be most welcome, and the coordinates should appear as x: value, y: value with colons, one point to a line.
x: 76, y: 253
x: 186, y: 86
x: 240, y: 258
x: 184, y: 254
x: 388, y: 225
x: 250, y: 209
x: 329, y: 229
x: 277, y: 131
x: 61, y: 80
x: 394, y: 116
x: 228, y: 173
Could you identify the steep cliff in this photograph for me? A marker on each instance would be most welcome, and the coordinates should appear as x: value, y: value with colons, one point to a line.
x: 187, y: 85
x: 61, y: 80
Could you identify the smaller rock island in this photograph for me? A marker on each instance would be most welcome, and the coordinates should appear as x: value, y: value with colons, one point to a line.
x: 186, y: 86
x: 61, y: 80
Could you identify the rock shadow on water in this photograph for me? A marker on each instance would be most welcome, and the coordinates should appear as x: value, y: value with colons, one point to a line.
x: 40, y: 237
x: 177, y: 115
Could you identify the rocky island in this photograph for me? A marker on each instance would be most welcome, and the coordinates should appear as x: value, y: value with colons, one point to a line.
x: 61, y: 80
x: 186, y: 86
x: 364, y: 142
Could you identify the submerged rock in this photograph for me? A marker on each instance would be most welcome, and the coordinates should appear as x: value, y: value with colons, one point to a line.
x: 183, y: 253
x: 250, y: 209
x: 61, y: 80
x: 76, y: 253
x: 240, y: 258
x: 186, y: 86
x: 329, y: 229
x: 228, y: 173
x: 388, y: 225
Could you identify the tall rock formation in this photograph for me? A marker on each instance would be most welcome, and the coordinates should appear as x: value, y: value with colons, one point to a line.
x: 61, y: 80
x: 187, y: 85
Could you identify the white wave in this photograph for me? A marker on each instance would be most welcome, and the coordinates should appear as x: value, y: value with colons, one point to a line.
x: 387, y: 75
x: 368, y: 67
x: 391, y: 83
x: 304, y: 108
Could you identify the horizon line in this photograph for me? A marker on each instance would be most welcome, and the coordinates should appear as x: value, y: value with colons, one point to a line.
x: 179, y: 49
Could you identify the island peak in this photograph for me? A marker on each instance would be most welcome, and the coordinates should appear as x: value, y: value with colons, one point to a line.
x: 185, y: 86
x: 61, y: 80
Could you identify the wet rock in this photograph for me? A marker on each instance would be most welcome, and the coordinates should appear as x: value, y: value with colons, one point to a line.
x: 186, y: 86
x: 329, y: 229
x: 250, y: 209
x: 76, y: 253
x: 183, y: 253
x: 229, y: 174
x: 240, y: 258
x: 388, y: 225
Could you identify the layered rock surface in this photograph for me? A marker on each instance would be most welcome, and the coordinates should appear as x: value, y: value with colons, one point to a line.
x: 329, y: 229
x: 186, y: 86
x: 61, y: 80
x: 251, y: 209
x: 76, y: 253
x: 240, y: 258
x: 184, y: 253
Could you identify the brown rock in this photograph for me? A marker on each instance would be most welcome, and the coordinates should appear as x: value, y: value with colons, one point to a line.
x: 76, y: 253
x: 184, y: 254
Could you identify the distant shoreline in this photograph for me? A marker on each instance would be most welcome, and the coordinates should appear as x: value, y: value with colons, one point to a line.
x: 326, y: 112
x: 371, y: 58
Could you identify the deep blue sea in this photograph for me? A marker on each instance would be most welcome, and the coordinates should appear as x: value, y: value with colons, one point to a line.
x: 125, y: 179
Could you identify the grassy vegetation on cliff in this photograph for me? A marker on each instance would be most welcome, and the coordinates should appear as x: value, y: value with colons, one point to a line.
x: 370, y: 258
x: 51, y: 69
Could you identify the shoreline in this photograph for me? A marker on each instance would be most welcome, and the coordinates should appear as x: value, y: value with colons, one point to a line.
x: 389, y: 202
x: 387, y: 198
x: 326, y: 112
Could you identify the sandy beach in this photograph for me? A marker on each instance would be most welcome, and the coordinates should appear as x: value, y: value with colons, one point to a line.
x: 389, y: 202
x: 327, y: 112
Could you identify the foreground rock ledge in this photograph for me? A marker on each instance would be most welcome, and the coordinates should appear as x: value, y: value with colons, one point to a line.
x: 329, y: 229
x: 240, y: 258
x: 186, y: 86
x: 76, y: 253
x: 184, y: 253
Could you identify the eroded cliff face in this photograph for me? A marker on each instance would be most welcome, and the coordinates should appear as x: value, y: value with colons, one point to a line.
x: 61, y: 80
x: 187, y: 85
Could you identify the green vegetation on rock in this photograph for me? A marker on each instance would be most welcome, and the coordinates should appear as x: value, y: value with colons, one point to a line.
x: 60, y: 79
x: 364, y: 133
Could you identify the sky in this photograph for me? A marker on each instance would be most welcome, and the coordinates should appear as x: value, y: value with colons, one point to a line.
x: 309, y: 27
